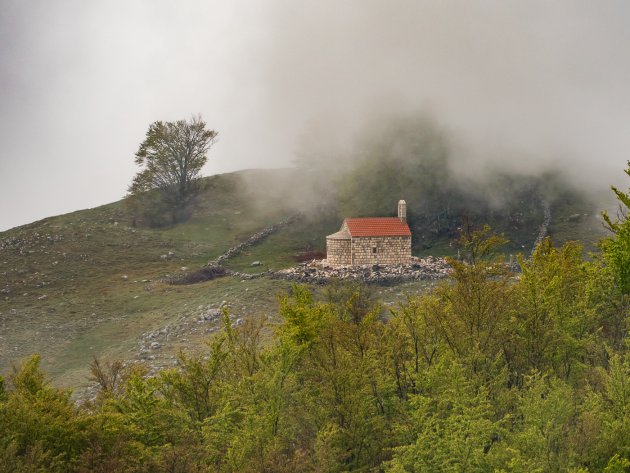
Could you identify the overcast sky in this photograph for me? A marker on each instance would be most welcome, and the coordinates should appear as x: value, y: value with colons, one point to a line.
x: 525, y: 83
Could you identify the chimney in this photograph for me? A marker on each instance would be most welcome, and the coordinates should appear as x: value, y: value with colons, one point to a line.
x: 402, y: 210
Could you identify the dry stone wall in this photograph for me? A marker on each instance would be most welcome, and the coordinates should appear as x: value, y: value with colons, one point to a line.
x: 254, y: 239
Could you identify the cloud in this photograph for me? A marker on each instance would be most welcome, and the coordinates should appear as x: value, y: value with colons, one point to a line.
x: 527, y: 84
x: 522, y: 83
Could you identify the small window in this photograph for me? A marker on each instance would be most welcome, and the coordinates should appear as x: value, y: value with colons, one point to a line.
x: 374, y: 249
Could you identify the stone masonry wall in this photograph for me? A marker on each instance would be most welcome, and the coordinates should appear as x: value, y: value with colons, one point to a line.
x: 381, y: 250
x: 338, y: 252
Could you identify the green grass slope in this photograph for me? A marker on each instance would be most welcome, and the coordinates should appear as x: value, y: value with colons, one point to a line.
x: 89, y: 284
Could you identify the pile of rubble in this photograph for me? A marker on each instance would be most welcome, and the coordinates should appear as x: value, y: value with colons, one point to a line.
x: 319, y: 272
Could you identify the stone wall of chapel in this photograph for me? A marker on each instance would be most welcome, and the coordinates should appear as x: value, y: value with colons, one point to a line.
x: 381, y: 250
x: 338, y: 252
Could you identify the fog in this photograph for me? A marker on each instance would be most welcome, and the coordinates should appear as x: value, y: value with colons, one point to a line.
x: 521, y: 85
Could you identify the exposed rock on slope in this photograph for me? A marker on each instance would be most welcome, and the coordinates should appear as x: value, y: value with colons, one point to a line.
x: 318, y: 272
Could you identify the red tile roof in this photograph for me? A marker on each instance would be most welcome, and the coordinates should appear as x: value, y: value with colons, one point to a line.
x: 381, y: 226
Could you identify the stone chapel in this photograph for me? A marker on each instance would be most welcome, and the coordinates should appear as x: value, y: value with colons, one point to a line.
x: 374, y: 240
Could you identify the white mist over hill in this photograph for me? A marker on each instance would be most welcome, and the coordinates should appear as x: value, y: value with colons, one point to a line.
x: 523, y: 85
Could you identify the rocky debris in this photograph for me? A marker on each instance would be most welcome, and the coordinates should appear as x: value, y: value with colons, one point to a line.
x: 43, y: 254
x: 319, y: 272
x: 212, y: 314
x: 155, y: 348
x: 248, y: 276
x: 167, y: 256
x: 184, y: 325
x: 32, y: 240
x: 254, y: 239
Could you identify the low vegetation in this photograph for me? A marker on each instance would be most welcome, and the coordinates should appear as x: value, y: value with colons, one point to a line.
x: 486, y: 372
x: 90, y: 283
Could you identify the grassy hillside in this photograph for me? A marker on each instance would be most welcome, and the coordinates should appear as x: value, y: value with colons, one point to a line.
x: 88, y: 283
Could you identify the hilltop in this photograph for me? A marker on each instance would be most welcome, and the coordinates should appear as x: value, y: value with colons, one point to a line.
x: 88, y: 283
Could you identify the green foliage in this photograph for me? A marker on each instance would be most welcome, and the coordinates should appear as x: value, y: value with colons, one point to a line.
x: 545, y: 412
x: 473, y: 322
x: 110, y: 376
x: 554, y: 322
x: 40, y: 428
x: 480, y: 244
x: 614, y: 413
x: 453, y: 381
x: 170, y: 158
x: 87, y: 284
x: 303, y: 317
x: 416, y: 342
x: 452, y: 424
x: 489, y: 371
x: 616, y: 250
x: 624, y: 201
x: 612, y: 272
x: 617, y: 465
